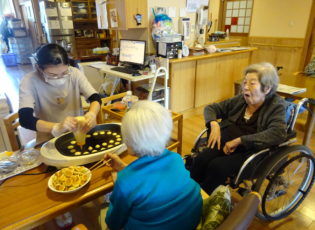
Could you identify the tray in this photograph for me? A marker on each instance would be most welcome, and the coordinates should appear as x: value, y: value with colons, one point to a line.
x: 19, y: 169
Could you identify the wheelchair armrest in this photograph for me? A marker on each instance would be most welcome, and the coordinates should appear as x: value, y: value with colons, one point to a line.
x: 242, y: 214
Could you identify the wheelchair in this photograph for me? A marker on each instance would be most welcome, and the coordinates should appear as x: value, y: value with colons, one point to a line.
x: 283, y: 175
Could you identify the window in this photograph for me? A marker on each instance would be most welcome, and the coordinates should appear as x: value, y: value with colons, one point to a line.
x: 237, y: 16
x: 6, y: 7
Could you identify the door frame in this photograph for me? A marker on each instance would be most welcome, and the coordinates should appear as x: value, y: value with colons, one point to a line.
x: 309, y: 39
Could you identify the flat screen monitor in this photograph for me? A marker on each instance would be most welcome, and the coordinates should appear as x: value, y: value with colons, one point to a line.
x: 132, y: 52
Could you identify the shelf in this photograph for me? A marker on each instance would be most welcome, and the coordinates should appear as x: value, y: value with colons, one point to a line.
x: 84, y: 20
x: 85, y: 1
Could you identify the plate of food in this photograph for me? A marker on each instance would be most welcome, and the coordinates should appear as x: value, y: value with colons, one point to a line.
x: 68, y: 180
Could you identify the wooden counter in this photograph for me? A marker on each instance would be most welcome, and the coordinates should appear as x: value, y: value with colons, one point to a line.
x: 225, y: 43
x: 199, y: 80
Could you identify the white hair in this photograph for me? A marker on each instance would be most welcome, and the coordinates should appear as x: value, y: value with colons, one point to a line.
x: 146, y: 128
x: 267, y: 75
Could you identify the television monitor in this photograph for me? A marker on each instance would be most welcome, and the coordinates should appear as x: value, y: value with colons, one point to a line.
x: 132, y: 52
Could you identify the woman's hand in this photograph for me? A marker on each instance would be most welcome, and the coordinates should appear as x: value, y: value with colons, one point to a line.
x: 215, y: 135
x: 69, y: 124
x: 116, y: 163
x: 90, y: 121
x: 230, y: 146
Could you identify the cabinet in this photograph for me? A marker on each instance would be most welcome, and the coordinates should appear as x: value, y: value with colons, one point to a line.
x: 196, y: 81
x: 83, y: 10
x: 124, y: 12
x: 87, y: 34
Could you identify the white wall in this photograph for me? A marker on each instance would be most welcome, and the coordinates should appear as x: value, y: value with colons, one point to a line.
x: 280, y: 18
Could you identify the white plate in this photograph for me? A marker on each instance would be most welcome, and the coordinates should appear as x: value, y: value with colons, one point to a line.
x: 51, y: 187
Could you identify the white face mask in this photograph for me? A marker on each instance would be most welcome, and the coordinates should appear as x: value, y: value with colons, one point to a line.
x: 56, y: 82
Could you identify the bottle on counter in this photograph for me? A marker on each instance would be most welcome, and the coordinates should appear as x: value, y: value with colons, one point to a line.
x: 129, y: 99
x: 227, y: 34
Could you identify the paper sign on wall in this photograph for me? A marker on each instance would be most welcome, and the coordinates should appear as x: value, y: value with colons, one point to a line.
x: 101, y: 12
x: 182, y: 12
x: 113, y: 18
x: 193, y: 5
x: 171, y: 12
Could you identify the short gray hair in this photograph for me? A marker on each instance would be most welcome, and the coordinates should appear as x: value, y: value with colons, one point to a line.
x: 146, y: 128
x: 267, y: 76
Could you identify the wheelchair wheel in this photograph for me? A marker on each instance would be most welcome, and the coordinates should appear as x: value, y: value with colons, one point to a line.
x: 285, y: 182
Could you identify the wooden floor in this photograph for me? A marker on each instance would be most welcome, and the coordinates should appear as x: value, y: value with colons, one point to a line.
x: 302, y: 218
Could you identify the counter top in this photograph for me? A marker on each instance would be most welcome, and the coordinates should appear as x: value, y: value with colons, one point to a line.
x: 223, y: 41
x: 205, y: 56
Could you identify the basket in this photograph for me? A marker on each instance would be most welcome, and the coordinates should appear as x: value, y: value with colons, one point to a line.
x: 9, y: 59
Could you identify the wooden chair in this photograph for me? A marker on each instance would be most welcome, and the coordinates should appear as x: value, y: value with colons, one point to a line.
x: 105, y: 101
x: 11, y: 125
x: 239, y: 219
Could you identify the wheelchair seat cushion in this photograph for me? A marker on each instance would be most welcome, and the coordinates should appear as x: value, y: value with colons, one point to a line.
x: 215, y: 208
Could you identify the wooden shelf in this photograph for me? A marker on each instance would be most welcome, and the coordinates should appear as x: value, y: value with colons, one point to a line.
x: 84, y: 20
x: 79, y: 1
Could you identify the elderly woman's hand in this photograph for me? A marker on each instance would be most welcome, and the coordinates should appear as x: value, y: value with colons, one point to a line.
x: 230, y: 146
x: 115, y: 162
x: 215, y: 135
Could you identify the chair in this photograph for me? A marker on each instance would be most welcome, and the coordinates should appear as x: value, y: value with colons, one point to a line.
x: 243, y: 213
x: 239, y: 219
x: 106, y: 101
x: 12, y: 126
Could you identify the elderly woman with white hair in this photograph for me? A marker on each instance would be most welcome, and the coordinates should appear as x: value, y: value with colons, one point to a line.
x: 250, y: 121
x: 155, y: 191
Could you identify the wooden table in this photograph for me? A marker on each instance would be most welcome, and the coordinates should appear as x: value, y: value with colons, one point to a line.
x: 27, y: 202
x: 302, y: 81
x: 176, y: 117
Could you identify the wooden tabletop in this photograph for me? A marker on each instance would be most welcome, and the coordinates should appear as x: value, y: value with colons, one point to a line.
x: 27, y: 202
x: 300, y: 80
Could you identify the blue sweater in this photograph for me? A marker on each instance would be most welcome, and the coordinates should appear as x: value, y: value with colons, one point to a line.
x: 155, y: 193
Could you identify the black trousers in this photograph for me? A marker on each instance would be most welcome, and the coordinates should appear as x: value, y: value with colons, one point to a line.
x: 212, y: 167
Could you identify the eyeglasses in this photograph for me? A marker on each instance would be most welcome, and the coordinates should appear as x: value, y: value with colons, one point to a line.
x: 56, y: 76
x: 249, y: 83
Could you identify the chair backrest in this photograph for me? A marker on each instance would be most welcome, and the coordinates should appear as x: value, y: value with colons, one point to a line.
x: 106, y: 101
x: 11, y: 123
x: 242, y: 214
x: 15, y: 135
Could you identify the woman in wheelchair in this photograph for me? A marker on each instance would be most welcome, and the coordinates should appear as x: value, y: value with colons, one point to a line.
x: 251, y: 121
